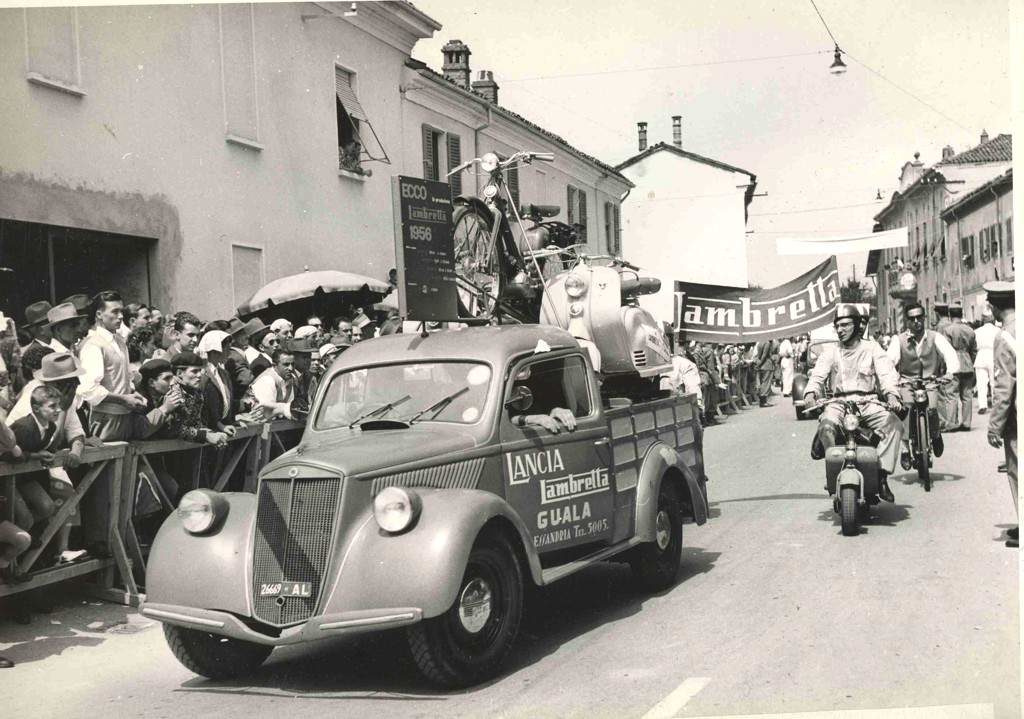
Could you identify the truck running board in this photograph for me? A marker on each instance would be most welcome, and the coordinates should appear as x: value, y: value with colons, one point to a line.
x: 553, y: 574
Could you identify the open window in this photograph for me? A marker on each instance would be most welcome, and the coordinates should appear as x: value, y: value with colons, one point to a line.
x: 557, y: 382
x: 357, y: 140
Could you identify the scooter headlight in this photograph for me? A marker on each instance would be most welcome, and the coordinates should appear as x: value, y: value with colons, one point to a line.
x: 575, y: 285
x: 396, y: 508
x: 201, y: 509
x: 489, y: 162
x: 575, y: 309
x: 851, y: 422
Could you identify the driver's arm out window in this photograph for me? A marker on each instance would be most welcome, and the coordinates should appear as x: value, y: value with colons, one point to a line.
x: 559, y: 382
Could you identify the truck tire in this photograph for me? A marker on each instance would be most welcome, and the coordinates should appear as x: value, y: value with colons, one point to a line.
x: 848, y: 507
x: 656, y: 564
x: 469, y: 642
x: 212, y: 655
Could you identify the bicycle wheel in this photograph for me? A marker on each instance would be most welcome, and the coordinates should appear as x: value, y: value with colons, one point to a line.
x: 477, y: 265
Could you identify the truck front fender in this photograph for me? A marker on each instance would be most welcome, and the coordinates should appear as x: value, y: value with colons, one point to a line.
x: 662, y: 463
x: 205, y: 571
x: 422, y: 567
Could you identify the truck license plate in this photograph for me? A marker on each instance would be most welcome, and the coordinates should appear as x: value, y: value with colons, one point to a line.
x: 286, y: 589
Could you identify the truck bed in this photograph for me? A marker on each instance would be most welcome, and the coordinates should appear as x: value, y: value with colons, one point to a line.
x: 634, y: 427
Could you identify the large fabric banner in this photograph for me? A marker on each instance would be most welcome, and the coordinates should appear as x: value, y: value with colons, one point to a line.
x: 727, y: 315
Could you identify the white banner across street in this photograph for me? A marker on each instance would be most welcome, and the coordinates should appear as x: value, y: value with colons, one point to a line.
x: 839, y: 245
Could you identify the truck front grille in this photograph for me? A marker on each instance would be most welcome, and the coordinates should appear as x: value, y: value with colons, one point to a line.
x: 294, y: 529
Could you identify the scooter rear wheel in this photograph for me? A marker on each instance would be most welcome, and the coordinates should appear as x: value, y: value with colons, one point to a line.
x: 848, y: 511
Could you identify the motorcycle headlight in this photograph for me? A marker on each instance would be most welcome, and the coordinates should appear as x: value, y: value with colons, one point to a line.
x: 489, y: 162
x: 575, y: 309
x: 920, y: 395
x: 575, y: 285
x: 201, y: 510
x: 490, y: 191
x: 851, y: 422
x: 396, y: 508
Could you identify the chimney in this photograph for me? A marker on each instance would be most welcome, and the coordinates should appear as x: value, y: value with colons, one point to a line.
x: 641, y: 129
x: 677, y: 131
x: 984, y: 137
x: 456, y: 63
x: 486, y: 86
x: 947, y: 152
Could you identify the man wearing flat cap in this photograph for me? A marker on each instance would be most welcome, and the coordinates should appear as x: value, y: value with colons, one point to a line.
x: 1002, y: 420
x: 961, y: 336
x: 187, y: 421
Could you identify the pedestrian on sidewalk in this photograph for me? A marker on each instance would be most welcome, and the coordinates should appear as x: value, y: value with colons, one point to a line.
x: 948, y: 394
x: 764, y: 364
x: 962, y: 337
x: 985, y: 337
x: 786, y: 350
x: 1002, y: 422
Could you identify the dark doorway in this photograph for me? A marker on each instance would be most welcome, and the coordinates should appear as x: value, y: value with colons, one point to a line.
x: 51, y: 263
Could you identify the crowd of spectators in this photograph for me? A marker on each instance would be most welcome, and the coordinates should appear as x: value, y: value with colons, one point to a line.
x: 729, y: 377
x: 94, y: 370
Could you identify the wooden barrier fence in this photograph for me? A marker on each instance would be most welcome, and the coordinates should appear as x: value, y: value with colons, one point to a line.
x: 235, y: 467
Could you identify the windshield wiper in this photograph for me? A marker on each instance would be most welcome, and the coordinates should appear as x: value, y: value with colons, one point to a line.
x: 439, y: 405
x: 380, y: 410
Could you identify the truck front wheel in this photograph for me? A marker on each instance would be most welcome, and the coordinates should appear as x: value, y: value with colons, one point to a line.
x: 656, y: 564
x: 214, y: 656
x: 468, y: 643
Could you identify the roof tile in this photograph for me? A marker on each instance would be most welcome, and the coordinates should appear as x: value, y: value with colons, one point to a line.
x: 998, y: 149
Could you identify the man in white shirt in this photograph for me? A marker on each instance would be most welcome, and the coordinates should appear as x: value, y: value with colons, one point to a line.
x: 107, y: 382
x: 274, y: 389
x: 986, y: 338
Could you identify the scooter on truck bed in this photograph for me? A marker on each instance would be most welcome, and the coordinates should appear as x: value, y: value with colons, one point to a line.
x: 422, y: 496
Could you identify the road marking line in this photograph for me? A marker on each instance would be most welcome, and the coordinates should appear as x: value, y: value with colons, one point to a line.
x: 945, y: 711
x: 667, y: 707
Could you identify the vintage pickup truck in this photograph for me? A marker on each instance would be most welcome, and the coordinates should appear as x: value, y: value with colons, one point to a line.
x: 422, y: 495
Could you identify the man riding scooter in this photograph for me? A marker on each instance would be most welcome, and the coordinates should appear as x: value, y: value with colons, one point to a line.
x: 919, y: 352
x: 856, y: 366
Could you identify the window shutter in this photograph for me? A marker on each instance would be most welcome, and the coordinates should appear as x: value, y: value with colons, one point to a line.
x: 583, y: 207
x: 52, y: 43
x: 993, y: 237
x: 429, y: 171
x: 454, y: 160
x: 609, y: 236
x: 513, y: 185
x: 618, y: 230
x: 570, y: 205
x: 343, y: 88
x: 1009, y: 235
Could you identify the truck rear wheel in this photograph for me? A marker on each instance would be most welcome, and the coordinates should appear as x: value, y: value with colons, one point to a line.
x: 214, y: 656
x: 656, y: 564
x: 468, y: 643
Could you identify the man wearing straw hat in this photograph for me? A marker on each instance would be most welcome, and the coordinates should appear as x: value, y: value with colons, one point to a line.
x: 36, y: 326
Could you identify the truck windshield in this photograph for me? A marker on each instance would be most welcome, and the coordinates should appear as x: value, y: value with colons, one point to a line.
x: 355, y: 393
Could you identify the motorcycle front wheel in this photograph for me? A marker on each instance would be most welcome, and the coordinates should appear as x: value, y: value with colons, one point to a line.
x: 848, y: 510
x: 923, y: 470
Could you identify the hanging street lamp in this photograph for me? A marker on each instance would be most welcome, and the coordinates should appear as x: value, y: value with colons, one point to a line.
x: 838, y: 67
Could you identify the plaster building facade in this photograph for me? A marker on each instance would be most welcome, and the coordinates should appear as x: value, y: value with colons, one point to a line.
x: 932, y: 255
x: 686, y: 218
x: 980, y: 226
x: 450, y: 118
x: 187, y: 155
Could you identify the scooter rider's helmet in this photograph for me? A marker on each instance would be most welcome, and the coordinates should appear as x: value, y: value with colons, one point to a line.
x: 850, y: 311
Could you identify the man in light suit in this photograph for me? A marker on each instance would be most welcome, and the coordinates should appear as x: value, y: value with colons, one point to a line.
x: 1002, y: 421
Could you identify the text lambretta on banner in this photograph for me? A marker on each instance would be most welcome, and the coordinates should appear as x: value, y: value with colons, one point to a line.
x: 713, y: 313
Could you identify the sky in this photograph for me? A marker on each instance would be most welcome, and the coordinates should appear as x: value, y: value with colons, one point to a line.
x: 590, y: 70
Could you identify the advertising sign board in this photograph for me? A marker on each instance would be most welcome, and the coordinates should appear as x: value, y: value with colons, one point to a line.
x: 424, y: 249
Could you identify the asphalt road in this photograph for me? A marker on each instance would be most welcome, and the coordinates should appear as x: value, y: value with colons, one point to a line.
x: 774, y: 612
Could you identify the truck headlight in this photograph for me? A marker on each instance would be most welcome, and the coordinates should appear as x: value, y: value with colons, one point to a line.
x: 575, y: 285
x: 396, y: 508
x: 201, y: 509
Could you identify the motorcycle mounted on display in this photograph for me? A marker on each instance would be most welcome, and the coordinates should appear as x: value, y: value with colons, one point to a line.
x: 547, y: 277
x: 919, y: 395
x: 851, y: 466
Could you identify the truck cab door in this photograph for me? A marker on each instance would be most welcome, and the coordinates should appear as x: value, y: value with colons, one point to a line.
x: 560, y: 484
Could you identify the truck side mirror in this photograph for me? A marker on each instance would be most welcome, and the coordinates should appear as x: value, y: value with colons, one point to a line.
x: 521, y: 399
